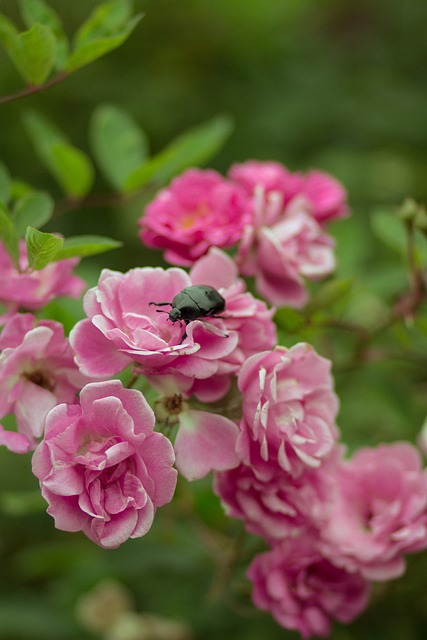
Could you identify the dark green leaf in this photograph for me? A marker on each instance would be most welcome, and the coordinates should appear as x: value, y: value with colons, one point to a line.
x: 32, y: 52
x: 71, y: 167
x: 192, y: 148
x: 106, y: 29
x: 37, y: 11
x: 34, y: 209
x: 41, y: 247
x: 83, y: 246
x: 9, y: 235
x: 21, y: 503
x: 5, y: 184
x: 119, y: 144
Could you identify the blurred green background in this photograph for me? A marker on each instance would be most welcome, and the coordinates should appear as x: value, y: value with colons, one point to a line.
x: 333, y: 84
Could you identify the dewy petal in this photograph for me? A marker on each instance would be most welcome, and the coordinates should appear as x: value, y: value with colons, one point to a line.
x: 204, y: 442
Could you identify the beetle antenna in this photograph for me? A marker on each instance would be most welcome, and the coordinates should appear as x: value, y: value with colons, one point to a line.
x: 162, y: 311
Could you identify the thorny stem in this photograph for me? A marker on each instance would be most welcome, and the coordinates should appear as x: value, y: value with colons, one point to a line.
x: 32, y: 89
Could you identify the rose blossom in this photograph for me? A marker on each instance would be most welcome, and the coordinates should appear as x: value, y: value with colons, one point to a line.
x: 325, y: 196
x: 123, y: 327
x: 198, y: 210
x: 34, y: 289
x: 102, y: 468
x: 379, y: 511
x: 282, y: 256
x: 303, y: 590
x: 281, y: 506
x: 37, y: 370
x: 289, y: 410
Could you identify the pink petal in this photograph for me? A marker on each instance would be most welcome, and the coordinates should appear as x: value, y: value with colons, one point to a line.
x: 205, y: 441
x: 97, y: 356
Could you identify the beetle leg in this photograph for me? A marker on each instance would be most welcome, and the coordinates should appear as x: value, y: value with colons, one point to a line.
x: 160, y: 304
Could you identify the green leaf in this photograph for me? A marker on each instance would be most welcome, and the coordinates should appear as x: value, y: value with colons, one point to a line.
x: 37, y: 11
x: 119, y: 144
x: 5, y: 183
x: 34, y: 209
x: 194, y: 147
x: 32, y: 52
x: 105, y: 29
x: 83, y: 246
x: 391, y: 230
x: 9, y: 235
x: 41, y: 247
x: 71, y: 168
x: 21, y: 503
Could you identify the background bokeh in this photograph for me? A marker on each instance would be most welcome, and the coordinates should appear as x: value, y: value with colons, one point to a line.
x: 333, y: 84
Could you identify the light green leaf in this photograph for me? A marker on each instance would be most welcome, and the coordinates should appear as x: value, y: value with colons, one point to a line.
x: 5, y: 183
x: 32, y: 52
x: 105, y: 20
x: 192, y: 148
x: 106, y: 29
x: 41, y: 247
x: 9, y: 235
x: 21, y: 503
x: 34, y: 209
x: 119, y: 144
x: 391, y: 230
x: 19, y: 189
x: 71, y: 167
x: 37, y: 11
x: 83, y: 246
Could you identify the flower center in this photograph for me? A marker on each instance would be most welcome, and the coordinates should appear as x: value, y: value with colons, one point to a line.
x: 41, y: 379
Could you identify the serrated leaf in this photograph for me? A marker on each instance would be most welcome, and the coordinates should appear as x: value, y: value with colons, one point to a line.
x: 70, y: 166
x: 9, y: 235
x: 5, y: 183
x: 119, y: 144
x: 41, y: 247
x: 32, y: 52
x: 88, y: 50
x: 37, y: 11
x: 192, y: 148
x: 83, y: 246
x: 34, y: 209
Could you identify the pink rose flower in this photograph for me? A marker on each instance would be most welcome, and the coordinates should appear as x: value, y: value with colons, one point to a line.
x: 102, y: 468
x: 34, y: 289
x: 304, y: 591
x: 282, y: 256
x: 281, y: 506
x: 37, y: 370
x: 325, y: 196
x: 379, y: 511
x: 123, y: 328
x: 200, y: 209
x: 289, y: 410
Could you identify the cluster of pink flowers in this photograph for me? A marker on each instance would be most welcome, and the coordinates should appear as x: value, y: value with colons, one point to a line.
x: 332, y: 524
x: 275, y: 218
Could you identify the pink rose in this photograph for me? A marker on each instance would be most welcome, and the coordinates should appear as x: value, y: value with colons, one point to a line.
x: 34, y: 289
x: 282, y: 256
x: 102, y: 468
x: 37, y: 370
x: 304, y: 591
x: 325, y: 196
x: 379, y: 511
x: 200, y: 209
x: 281, y: 506
x: 123, y: 328
x: 289, y: 410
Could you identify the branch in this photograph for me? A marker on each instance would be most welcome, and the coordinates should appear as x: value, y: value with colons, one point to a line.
x: 32, y: 89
